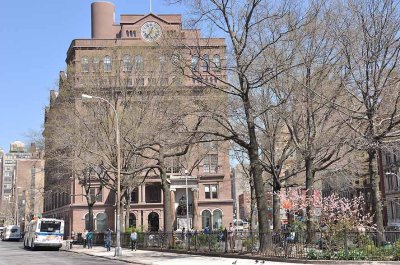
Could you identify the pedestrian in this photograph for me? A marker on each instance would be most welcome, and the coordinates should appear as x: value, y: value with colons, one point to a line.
x: 183, y: 234
x: 84, y: 238
x: 89, y: 238
x: 206, y: 230
x: 231, y: 241
x: 107, y: 238
x: 133, y: 239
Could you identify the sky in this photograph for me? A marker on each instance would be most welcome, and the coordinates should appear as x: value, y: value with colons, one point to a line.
x: 34, y: 38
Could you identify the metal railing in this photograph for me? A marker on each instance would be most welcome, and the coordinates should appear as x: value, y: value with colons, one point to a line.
x: 284, y: 244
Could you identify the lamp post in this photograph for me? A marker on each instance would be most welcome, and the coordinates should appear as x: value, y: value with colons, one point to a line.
x: 187, y: 202
x: 118, y: 250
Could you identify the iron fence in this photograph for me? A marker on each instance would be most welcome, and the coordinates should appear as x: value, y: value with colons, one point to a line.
x: 284, y: 244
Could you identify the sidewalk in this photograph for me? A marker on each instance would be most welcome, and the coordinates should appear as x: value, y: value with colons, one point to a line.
x: 146, y: 257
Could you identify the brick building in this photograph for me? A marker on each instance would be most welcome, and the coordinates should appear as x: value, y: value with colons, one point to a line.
x: 22, y: 183
x: 122, y: 47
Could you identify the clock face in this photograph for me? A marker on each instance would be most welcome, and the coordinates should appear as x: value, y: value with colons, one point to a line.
x: 151, y: 31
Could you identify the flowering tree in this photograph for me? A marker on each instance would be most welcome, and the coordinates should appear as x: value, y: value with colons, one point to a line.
x: 332, y: 213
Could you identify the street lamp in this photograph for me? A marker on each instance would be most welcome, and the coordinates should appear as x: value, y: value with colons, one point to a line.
x: 187, y: 202
x: 118, y: 250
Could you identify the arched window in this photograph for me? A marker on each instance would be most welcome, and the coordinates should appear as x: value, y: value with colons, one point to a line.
x: 139, y: 65
x: 153, y: 222
x: 217, y: 62
x: 101, y: 222
x: 132, y: 220
x: 107, y: 63
x: 127, y: 33
x: 205, y: 62
x: 217, y: 219
x: 85, y: 64
x: 96, y: 62
x: 195, y: 62
x: 163, y: 62
x: 206, y: 219
x: 127, y: 63
x: 87, y: 222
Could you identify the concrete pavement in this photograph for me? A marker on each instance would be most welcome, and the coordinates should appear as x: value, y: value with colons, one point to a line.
x: 147, y: 257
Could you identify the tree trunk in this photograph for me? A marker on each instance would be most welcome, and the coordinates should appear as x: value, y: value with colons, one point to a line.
x: 128, y: 207
x: 252, y: 208
x: 168, y: 224
x: 309, y: 198
x: 276, y: 206
x: 376, y: 196
x: 256, y: 172
x: 91, y: 221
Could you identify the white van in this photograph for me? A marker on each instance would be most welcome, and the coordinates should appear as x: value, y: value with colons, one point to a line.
x: 11, y: 232
x: 44, y: 232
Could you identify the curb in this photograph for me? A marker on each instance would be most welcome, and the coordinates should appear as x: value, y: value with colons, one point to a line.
x: 103, y: 257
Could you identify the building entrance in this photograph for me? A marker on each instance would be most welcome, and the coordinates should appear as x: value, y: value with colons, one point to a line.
x: 153, y: 222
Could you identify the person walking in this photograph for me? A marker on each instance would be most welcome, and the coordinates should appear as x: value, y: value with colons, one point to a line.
x: 84, y: 235
x: 133, y: 239
x: 89, y: 239
x: 230, y: 238
x: 108, y: 238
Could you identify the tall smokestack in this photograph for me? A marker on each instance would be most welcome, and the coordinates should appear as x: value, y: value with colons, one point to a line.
x: 102, y: 20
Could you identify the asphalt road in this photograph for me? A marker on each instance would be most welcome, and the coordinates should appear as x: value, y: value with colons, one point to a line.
x: 13, y: 253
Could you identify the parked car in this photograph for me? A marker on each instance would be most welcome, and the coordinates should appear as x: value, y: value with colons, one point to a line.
x: 240, y: 225
x: 11, y: 232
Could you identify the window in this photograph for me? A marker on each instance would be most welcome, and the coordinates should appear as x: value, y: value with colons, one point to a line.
x: 164, y: 81
x: 205, y: 219
x: 129, y: 82
x: 173, y: 165
x: 101, y: 222
x: 205, y: 62
x: 152, y: 81
x: 211, y: 191
x: 210, y: 164
x: 132, y: 220
x: 96, y: 63
x: 96, y: 194
x: 163, y: 62
x: 140, y: 81
x: 127, y: 63
x: 132, y: 34
x: 217, y: 62
x: 153, y: 193
x: 50, y: 226
x: 87, y: 222
x: 85, y: 64
x: 107, y: 63
x: 217, y: 219
x: 139, y: 65
x: 195, y: 62
x: 134, y: 196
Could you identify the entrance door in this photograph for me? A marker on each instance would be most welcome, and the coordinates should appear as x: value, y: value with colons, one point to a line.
x: 153, y: 222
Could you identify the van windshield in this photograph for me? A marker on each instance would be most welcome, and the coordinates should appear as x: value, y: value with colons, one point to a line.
x: 14, y: 230
x: 50, y: 226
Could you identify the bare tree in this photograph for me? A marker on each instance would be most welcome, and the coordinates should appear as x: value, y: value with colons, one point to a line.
x: 369, y: 44
x: 316, y: 128
x: 260, y: 47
